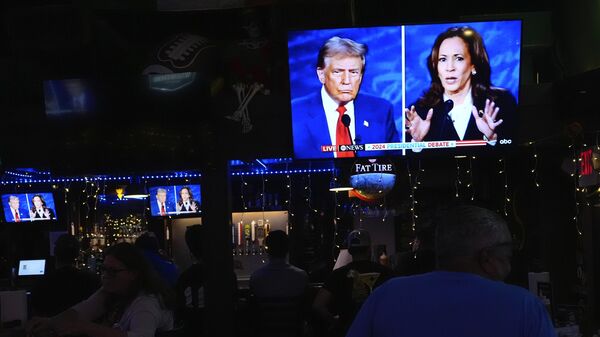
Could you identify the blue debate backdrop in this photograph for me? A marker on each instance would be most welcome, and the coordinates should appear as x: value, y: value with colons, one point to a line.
x: 25, y: 205
x: 172, y: 198
x: 502, y: 40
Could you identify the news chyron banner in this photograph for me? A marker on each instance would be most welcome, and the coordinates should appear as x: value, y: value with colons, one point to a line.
x: 416, y: 146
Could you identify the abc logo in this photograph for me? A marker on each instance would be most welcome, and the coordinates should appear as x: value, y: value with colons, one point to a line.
x: 505, y: 141
x: 343, y: 147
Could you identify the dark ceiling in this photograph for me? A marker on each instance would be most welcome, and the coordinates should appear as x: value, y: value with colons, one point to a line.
x: 109, y: 41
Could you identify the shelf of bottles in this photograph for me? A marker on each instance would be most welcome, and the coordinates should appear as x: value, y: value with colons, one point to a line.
x: 113, y: 231
x: 248, y: 237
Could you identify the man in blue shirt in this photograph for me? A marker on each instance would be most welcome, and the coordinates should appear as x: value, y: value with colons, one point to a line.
x: 466, y: 296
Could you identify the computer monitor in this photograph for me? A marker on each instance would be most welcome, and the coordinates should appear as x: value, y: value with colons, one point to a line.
x: 32, y: 267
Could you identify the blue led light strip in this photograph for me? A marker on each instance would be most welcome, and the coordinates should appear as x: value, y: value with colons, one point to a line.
x: 148, y: 177
x: 257, y: 173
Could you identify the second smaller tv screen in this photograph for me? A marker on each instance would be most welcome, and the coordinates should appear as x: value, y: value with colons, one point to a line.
x: 174, y: 200
x: 20, y: 207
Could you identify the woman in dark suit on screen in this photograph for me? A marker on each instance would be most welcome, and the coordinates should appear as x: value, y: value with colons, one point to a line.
x: 186, y: 202
x: 39, y: 210
x: 461, y: 103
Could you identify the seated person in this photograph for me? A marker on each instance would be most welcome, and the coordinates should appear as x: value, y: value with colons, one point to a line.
x: 165, y: 268
x: 66, y: 285
x: 190, y: 286
x: 278, y: 278
x: 279, y: 289
x: 465, y: 296
x: 346, y: 289
x: 133, y: 301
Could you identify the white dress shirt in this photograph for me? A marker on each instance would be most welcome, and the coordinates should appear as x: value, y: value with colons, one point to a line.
x: 461, y: 114
x: 160, y: 206
x: 330, y: 108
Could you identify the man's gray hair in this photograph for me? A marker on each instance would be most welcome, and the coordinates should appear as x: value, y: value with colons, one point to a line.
x: 161, y: 190
x: 464, y: 230
x: 341, y: 46
x: 12, y: 197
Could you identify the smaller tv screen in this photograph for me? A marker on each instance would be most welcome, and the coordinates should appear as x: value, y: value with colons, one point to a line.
x: 174, y: 200
x: 69, y: 97
x: 32, y: 267
x: 21, y: 207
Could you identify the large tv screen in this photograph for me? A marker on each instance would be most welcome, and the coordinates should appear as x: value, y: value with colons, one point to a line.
x: 177, y: 200
x: 395, y: 90
x: 21, y: 207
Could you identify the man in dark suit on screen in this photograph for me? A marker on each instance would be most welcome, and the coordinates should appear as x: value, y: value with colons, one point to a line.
x: 318, y: 119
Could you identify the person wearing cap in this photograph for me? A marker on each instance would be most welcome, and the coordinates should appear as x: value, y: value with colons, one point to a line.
x: 465, y: 296
x: 346, y: 288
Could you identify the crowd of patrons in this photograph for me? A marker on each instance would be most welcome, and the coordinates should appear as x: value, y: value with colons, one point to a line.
x: 142, y: 293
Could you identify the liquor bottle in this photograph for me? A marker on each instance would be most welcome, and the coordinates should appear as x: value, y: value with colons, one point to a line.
x: 267, y: 228
x: 253, y: 231
x: 233, y: 235
x: 247, y: 237
x: 247, y: 231
x: 260, y: 233
x: 240, y: 231
x: 102, y: 238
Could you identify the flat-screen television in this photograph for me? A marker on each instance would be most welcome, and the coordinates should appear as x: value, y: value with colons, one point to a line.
x: 396, y: 90
x: 21, y: 207
x: 175, y: 200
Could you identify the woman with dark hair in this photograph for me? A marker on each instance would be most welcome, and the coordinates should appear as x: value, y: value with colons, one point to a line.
x: 186, y: 202
x: 461, y: 103
x: 133, y: 301
x: 39, y: 210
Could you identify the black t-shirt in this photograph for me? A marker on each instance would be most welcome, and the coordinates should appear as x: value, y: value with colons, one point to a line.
x: 350, y: 286
x: 61, y: 289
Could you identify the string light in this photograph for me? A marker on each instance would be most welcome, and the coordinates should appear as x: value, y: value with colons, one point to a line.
x: 576, y: 187
x: 471, y: 184
x: 503, y: 172
x: 534, y: 170
x: 262, y: 194
x: 289, y: 200
x: 411, y: 196
x: 308, y: 188
x: 457, y: 181
x: 242, y: 186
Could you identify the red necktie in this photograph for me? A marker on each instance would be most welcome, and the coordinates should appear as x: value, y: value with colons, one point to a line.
x: 17, y: 217
x: 342, y: 134
x: 162, y: 210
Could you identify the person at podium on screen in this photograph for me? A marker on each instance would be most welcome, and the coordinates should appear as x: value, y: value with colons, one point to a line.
x: 318, y: 118
x: 39, y: 210
x: 14, y: 205
x: 186, y: 202
x: 461, y: 103
x: 161, y: 202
